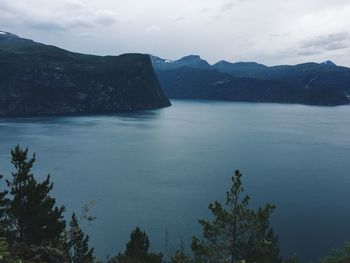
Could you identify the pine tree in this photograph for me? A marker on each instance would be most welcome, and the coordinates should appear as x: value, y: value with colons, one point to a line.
x: 4, y: 249
x: 338, y: 255
x: 137, y: 250
x: 138, y: 245
x: 3, y: 218
x: 237, y: 233
x: 5, y: 255
x: 34, y: 218
x: 262, y: 242
x: 78, y: 244
x: 180, y: 256
x: 293, y: 259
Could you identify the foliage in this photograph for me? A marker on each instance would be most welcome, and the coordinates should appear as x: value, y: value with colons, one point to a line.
x: 237, y: 233
x: 3, y: 217
x: 263, y: 242
x: 137, y: 250
x: 77, y: 245
x: 180, y: 256
x: 5, y: 254
x: 40, y: 254
x: 293, y: 259
x: 34, y: 218
x: 338, y: 256
x: 138, y: 244
x: 4, y: 250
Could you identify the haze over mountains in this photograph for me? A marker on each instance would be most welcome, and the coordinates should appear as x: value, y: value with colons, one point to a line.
x: 191, y: 77
x: 38, y: 79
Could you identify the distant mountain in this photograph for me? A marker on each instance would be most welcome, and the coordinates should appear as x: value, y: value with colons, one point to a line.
x: 40, y: 79
x: 240, y: 69
x: 192, y: 83
x: 329, y: 63
x: 308, y: 83
x: 193, y: 61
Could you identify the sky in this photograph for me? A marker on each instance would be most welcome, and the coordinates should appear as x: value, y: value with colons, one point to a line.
x: 271, y: 32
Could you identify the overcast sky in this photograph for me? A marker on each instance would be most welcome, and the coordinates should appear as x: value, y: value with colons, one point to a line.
x: 267, y: 31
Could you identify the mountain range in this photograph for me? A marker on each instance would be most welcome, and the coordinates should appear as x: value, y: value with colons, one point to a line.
x: 38, y: 79
x: 191, y: 77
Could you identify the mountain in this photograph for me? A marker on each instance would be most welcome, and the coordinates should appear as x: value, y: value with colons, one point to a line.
x: 193, y: 61
x: 302, y: 76
x: 240, y: 68
x: 329, y: 63
x: 192, y: 83
x: 308, y: 83
x: 38, y: 79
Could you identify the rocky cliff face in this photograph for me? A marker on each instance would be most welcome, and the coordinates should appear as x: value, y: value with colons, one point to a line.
x: 37, y: 79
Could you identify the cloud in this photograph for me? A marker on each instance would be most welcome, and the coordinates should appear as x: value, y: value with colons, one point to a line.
x: 267, y: 31
x: 44, y: 25
x: 315, y: 46
x: 178, y: 19
x: 274, y: 35
x: 309, y: 53
x: 106, y: 18
x: 337, y: 46
x: 324, y: 43
x: 153, y: 29
x: 205, y: 10
x: 328, y: 42
x: 88, y: 35
x: 227, y: 7
x: 218, y: 17
x: 66, y: 15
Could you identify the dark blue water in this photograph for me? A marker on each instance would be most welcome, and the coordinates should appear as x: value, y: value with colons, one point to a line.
x: 160, y: 169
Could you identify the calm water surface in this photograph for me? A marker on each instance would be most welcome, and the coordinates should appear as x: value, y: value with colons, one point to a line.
x: 160, y: 169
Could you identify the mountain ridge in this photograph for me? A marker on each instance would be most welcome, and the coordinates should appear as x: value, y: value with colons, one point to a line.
x: 325, y: 62
x: 307, y: 83
x: 39, y: 79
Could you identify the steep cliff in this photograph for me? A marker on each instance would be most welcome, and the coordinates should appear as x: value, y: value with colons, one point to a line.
x: 37, y: 79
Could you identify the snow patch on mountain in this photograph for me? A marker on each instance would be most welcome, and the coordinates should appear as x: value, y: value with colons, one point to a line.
x: 329, y: 63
